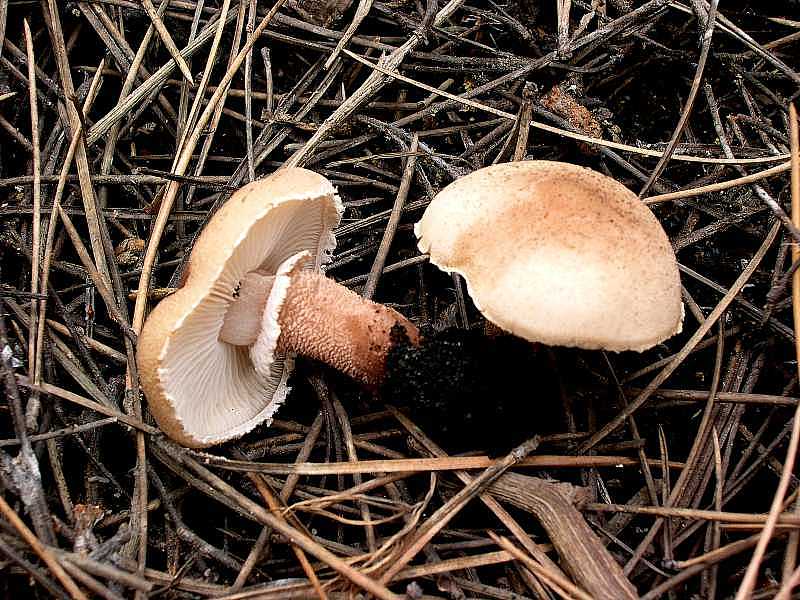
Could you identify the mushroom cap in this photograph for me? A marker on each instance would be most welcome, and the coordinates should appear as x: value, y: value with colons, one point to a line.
x: 558, y: 254
x: 202, y: 391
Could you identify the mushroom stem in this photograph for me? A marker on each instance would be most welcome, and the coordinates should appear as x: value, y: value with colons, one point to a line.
x: 320, y: 319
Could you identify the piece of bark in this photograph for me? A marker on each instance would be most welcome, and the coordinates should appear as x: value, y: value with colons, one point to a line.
x: 320, y: 12
x: 584, y: 557
x: 564, y: 104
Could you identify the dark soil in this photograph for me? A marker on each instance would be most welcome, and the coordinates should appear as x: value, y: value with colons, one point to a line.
x: 475, y: 390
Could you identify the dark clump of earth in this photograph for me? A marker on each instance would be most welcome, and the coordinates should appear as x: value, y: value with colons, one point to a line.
x: 473, y: 390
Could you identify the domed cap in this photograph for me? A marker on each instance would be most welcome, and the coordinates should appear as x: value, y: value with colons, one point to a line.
x: 200, y: 390
x: 557, y: 253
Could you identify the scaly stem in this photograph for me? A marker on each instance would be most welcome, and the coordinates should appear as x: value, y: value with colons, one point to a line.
x: 320, y: 319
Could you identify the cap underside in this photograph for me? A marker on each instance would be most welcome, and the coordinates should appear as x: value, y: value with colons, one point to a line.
x: 212, y: 387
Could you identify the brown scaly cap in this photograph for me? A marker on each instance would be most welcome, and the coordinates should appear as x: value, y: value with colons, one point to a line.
x: 200, y: 390
x: 559, y: 254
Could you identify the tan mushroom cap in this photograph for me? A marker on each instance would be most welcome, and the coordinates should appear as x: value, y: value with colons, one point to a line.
x: 202, y: 391
x: 558, y: 254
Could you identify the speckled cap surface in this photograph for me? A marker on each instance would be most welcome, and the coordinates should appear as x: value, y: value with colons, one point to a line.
x: 558, y: 254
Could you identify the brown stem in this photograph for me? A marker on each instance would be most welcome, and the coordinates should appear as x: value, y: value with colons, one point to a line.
x: 322, y: 320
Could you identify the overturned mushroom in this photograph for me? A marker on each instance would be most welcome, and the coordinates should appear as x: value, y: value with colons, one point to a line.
x: 557, y: 253
x: 214, y: 358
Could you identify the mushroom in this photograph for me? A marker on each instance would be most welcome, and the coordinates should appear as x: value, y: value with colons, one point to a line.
x: 558, y: 254
x: 214, y: 357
